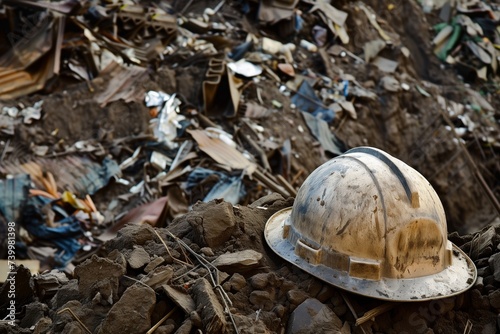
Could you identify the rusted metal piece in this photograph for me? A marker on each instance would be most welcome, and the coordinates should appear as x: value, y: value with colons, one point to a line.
x: 370, y: 224
x: 222, y: 152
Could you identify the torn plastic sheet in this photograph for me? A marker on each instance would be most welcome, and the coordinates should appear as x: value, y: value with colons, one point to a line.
x: 64, y: 235
x: 13, y: 194
x: 321, y: 131
x: 306, y: 100
x: 230, y: 188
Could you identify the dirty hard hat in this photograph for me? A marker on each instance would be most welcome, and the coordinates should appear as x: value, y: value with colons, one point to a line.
x: 368, y: 223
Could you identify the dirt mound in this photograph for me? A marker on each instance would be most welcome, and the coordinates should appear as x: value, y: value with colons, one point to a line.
x: 231, y: 281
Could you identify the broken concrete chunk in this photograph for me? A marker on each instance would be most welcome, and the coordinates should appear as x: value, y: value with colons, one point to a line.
x: 34, y: 312
x: 138, y: 258
x: 118, y: 257
x: 261, y: 299
x: 48, y: 284
x: 209, y: 307
x: 239, y: 261
x: 494, y: 298
x: 153, y: 264
x: 207, y: 251
x: 296, y: 297
x: 249, y: 324
x: 66, y: 293
x: 213, y: 222
x: 237, y: 282
x: 313, y: 317
x: 158, y: 276
x: 132, y: 313
x: 98, y: 274
x: 259, y: 281
x: 494, y: 263
x: 181, y: 299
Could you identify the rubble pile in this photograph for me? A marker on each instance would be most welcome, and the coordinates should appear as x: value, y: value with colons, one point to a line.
x: 144, y: 144
x: 150, y: 280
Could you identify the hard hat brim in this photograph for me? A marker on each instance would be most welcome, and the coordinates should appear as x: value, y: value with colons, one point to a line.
x: 454, y: 280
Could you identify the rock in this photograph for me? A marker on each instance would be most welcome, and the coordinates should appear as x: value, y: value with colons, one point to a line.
x: 259, y: 281
x: 249, y: 324
x: 238, y: 262
x: 213, y: 222
x: 165, y: 329
x: 138, y: 258
x: 340, y: 310
x: 207, y: 251
x: 312, y: 316
x: 494, y: 298
x: 489, y: 280
x: 280, y: 311
x: 489, y: 328
x: 237, y: 282
x: 118, y: 257
x: 314, y: 287
x: 185, y: 328
x: 153, y: 264
x: 296, y: 297
x: 261, y: 299
x: 34, y: 312
x: 73, y: 328
x: 66, y: 293
x: 479, y: 301
x: 132, y: 313
x: 337, y: 299
x: 483, y: 262
x: 130, y: 236
x: 181, y: 299
x: 494, y: 263
x: 158, y: 276
x: 325, y: 294
x: 47, y: 284
x: 9, y: 329
x: 24, y: 290
x: 484, y: 271
x: 90, y: 316
x: 266, y: 200
x: 209, y: 307
x: 98, y: 274
x: 42, y: 326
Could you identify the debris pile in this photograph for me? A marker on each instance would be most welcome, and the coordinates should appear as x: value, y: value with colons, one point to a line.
x: 162, y: 281
x: 468, y: 38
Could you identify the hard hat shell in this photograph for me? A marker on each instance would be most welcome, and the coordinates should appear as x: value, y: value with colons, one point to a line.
x: 370, y: 224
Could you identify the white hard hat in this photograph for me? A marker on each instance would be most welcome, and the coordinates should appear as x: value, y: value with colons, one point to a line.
x: 368, y: 223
